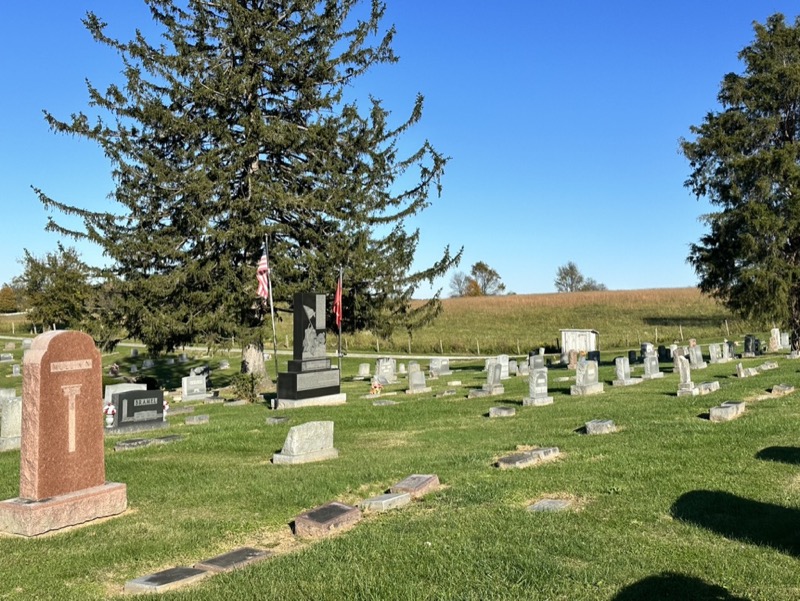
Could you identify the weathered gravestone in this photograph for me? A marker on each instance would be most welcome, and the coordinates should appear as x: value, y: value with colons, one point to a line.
x: 137, y: 410
x: 749, y: 346
x: 62, y: 462
x: 416, y: 485
x: 728, y: 350
x: 386, y: 502
x: 312, y: 441
x: 6, y: 357
x: 774, y: 340
x: 26, y: 344
x: 401, y: 369
x: 714, y: 353
x: 148, y: 364
x: 726, y: 411
x: 416, y: 383
x: 493, y: 386
x: 664, y: 354
x: 193, y: 388
x: 586, y: 379
x: 523, y: 459
x: 15, y: 370
x: 112, y: 389
x: 536, y: 361
x: 686, y: 386
x: 10, y: 419
x: 600, y: 426
x: 440, y: 367
x: 696, y: 357
x: 363, y: 371
x: 233, y: 560
x: 745, y: 372
x: 385, y: 369
x: 10, y: 346
x: 647, y: 349
x: 502, y: 412
x: 325, y: 519
x: 537, y: 389
x: 785, y: 341
x: 651, y: 369
x: 513, y: 367
x: 224, y: 364
x: 502, y: 360
x: 622, y: 369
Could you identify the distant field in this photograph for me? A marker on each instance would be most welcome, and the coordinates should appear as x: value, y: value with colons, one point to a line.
x: 624, y: 318
x: 518, y: 323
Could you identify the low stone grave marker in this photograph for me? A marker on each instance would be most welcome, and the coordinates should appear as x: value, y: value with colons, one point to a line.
x: 600, y: 426
x: 15, y: 370
x: 454, y: 383
x: 10, y: 346
x: 622, y: 370
x: 170, y: 361
x: 492, y: 387
x: 238, y: 558
x: 181, y: 410
x: 363, y: 371
x: 112, y: 389
x: 745, y: 372
x: 134, y: 352
x: 449, y: 392
x: 196, y: 420
x: 386, y: 502
x: 148, y: 364
x: 549, y: 505
x: 325, y: 519
x: 278, y: 419
x: 224, y: 364
x: 62, y: 463
x: 401, y: 369
x: 26, y: 343
x: 651, y: 368
x: 312, y: 441
x: 10, y: 420
x: 726, y: 411
x: 235, y: 403
x: 523, y: 459
x: 782, y: 389
x: 769, y: 365
x: 696, y: 357
x: 6, y: 357
x: 138, y: 443
x: 417, y: 485
x: 166, y: 580
x: 384, y: 403
x: 502, y: 412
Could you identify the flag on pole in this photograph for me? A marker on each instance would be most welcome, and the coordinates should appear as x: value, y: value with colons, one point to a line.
x: 337, y: 303
x: 262, y: 275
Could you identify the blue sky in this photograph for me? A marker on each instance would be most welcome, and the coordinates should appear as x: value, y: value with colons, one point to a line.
x: 561, y: 118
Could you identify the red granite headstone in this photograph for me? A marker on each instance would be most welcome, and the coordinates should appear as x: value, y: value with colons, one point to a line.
x: 62, y: 427
x: 62, y: 462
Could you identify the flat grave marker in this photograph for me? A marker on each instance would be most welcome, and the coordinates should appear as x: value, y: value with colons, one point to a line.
x: 238, y: 558
x: 523, y: 459
x: 417, y: 485
x: 166, y: 580
x: 325, y: 519
x: 386, y: 502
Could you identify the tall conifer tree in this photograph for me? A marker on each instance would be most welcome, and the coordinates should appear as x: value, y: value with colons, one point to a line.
x: 234, y: 126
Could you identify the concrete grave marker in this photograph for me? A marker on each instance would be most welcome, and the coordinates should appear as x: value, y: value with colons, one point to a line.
x: 502, y: 412
x: 193, y: 388
x: 622, y: 369
x: 312, y: 441
x: 138, y: 410
x: 363, y: 371
x: 10, y: 421
x: 600, y: 426
x: 62, y: 463
x: 385, y: 502
x: 651, y: 368
x: 417, y: 485
x: 523, y: 459
x: 537, y: 388
x: 416, y: 383
x: 493, y: 386
x: 586, y: 379
x: 15, y: 370
x: 166, y: 580
x: 238, y: 558
x: 549, y: 505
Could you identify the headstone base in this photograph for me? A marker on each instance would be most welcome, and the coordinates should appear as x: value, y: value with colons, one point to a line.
x: 654, y: 376
x: 628, y: 382
x: 33, y: 518
x: 419, y: 390
x: 576, y: 390
x: 477, y: 393
x: 330, y: 399
x: 10, y: 443
x: 537, y: 402
x: 320, y: 455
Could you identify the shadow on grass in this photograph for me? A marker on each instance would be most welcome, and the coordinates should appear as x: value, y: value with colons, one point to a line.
x: 741, y: 519
x: 790, y: 455
x: 712, y: 321
x: 674, y: 586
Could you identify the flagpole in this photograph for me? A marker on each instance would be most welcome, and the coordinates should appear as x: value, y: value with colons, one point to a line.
x: 339, y: 318
x: 272, y: 311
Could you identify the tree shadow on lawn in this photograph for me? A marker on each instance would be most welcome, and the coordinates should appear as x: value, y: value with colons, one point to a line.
x: 741, y: 519
x: 708, y: 321
x: 669, y: 585
x: 790, y: 455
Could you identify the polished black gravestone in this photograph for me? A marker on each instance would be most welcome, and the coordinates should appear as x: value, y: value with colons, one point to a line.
x: 238, y: 558
x: 138, y: 410
x: 310, y: 380
x: 165, y: 580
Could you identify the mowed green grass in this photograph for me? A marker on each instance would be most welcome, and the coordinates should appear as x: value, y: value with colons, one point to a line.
x: 670, y: 507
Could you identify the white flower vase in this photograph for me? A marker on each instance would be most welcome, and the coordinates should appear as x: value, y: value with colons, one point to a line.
x: 109, y: 421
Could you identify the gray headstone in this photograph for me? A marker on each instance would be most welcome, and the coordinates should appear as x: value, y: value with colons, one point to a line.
x: 193, y: 388
x: 10, y: 422
x: 112, y: 389
x: 600, y: 426
x: 525, y: 459
x: 165, y: 580
x: 386, y: 502
x: 363, y: 370
x: 312, y: 441
x: 502, y: 412
x: 416, y: 382
x: 238, y: 558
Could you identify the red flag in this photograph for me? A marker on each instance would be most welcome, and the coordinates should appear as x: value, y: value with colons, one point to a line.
x: 337, y: 303
x: 262, y: 275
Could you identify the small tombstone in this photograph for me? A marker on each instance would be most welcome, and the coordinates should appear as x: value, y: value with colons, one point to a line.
x: 714, y: 353
x: 224, y: 364
x: 492, y: 386
x: 385, y: 368
x: 435, y: 368
x: 193, y: 388
x: 600, y: 426
x: 325, y: 519
x: 134, y: 352
x: 133, y: 369
x: 774, y: 340
x: 417, y: 485
x: 363, y: 371
x: 112, y: 389
x: 148, y: 364
x: 233, y: 560
x: 113, y: 370
x: 401, y: 368
x: 785, y: 342
x: 745, y: 372
x: 523, y: 459
x: 623, y: 372
x: 15, y: 370
x: 728, y: 350
x: 10, y: 420
x: 536, y: 361
x: 6, y: 357
x: 386, y: 502
x: 537, y: 389
x: 696, y: 357
x: 586, y: 379
x: 413, y: 367
x: 503, y: 361
x: 183, y: 358
x: 10, y: 346
x: 632, y: 357
x: 196, y: 420
x: 62, y: 464
x: 170, y: 361
x: 513, y: 368
x: 312, y: 441
x: 278, y: 419
x: 502, y: 412
x: 749, y: 346
x: 138, y: 409
x: 767, y: 366
x: 416, y: 383
x: 782, y: 389
x: 166, y: 580
x: 651, y: 370
x: 26, y: 343
x: 707, y: 387
x: 647, y: 349
x: 686, y: 386
x: 523, y: 369
x: 664, y: 354
x: 726, y: 411
x: 573, y: 360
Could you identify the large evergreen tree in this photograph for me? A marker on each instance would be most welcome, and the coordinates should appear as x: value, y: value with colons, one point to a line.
x: 233, y: 127
x: 745, y: 160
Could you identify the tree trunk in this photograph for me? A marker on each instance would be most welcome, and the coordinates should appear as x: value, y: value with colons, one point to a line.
x: 794, y: 317
x: 253, y: 363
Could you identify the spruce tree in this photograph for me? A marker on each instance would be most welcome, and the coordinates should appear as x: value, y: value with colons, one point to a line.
x: 745, y: 160
x: 234, y: 127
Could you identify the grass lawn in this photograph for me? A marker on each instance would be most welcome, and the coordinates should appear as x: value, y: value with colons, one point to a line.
x: 671, y: 506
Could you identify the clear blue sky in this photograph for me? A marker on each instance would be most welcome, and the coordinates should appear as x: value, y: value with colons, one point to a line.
x: 562, y: 119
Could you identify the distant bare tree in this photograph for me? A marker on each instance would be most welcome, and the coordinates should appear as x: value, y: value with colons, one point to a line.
x: 570, y: 279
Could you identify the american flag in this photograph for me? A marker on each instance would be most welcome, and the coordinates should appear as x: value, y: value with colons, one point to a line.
x: 337, y: 303
x: 262, y: 275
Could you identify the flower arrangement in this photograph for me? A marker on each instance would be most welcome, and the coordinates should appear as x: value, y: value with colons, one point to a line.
x: 376, y: 387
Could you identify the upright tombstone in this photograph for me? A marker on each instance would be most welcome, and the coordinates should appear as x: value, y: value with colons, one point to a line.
x: 749, y: 346
x: 312, y: 441
x: 492, y: 386
x: 10, y: 419
x: 647, y: 348
x: 728, y: 350
x: 62, y: 462
x: 572, y: 361
x: 523, y: 368
x: 536, y: 361
x: 696, y: 357
x: 686, y: 386
x: 363, y: 371
x: 416, y: 383
x: 503, y: 361
x: 774, y: 340
x: 586, y: 379
x: 385, y: 368
x: 26, y: 343
x: 193, y: 388
x: 785, y: 341
x: 440, y: 367
x: 714, y: 353
x: 112, y: 389
x: 651, y: 370
x: 622, y: 370
x: 537, y: 388
x: 137, y: 410
x: 664, y: 354
x: 310, y: 379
